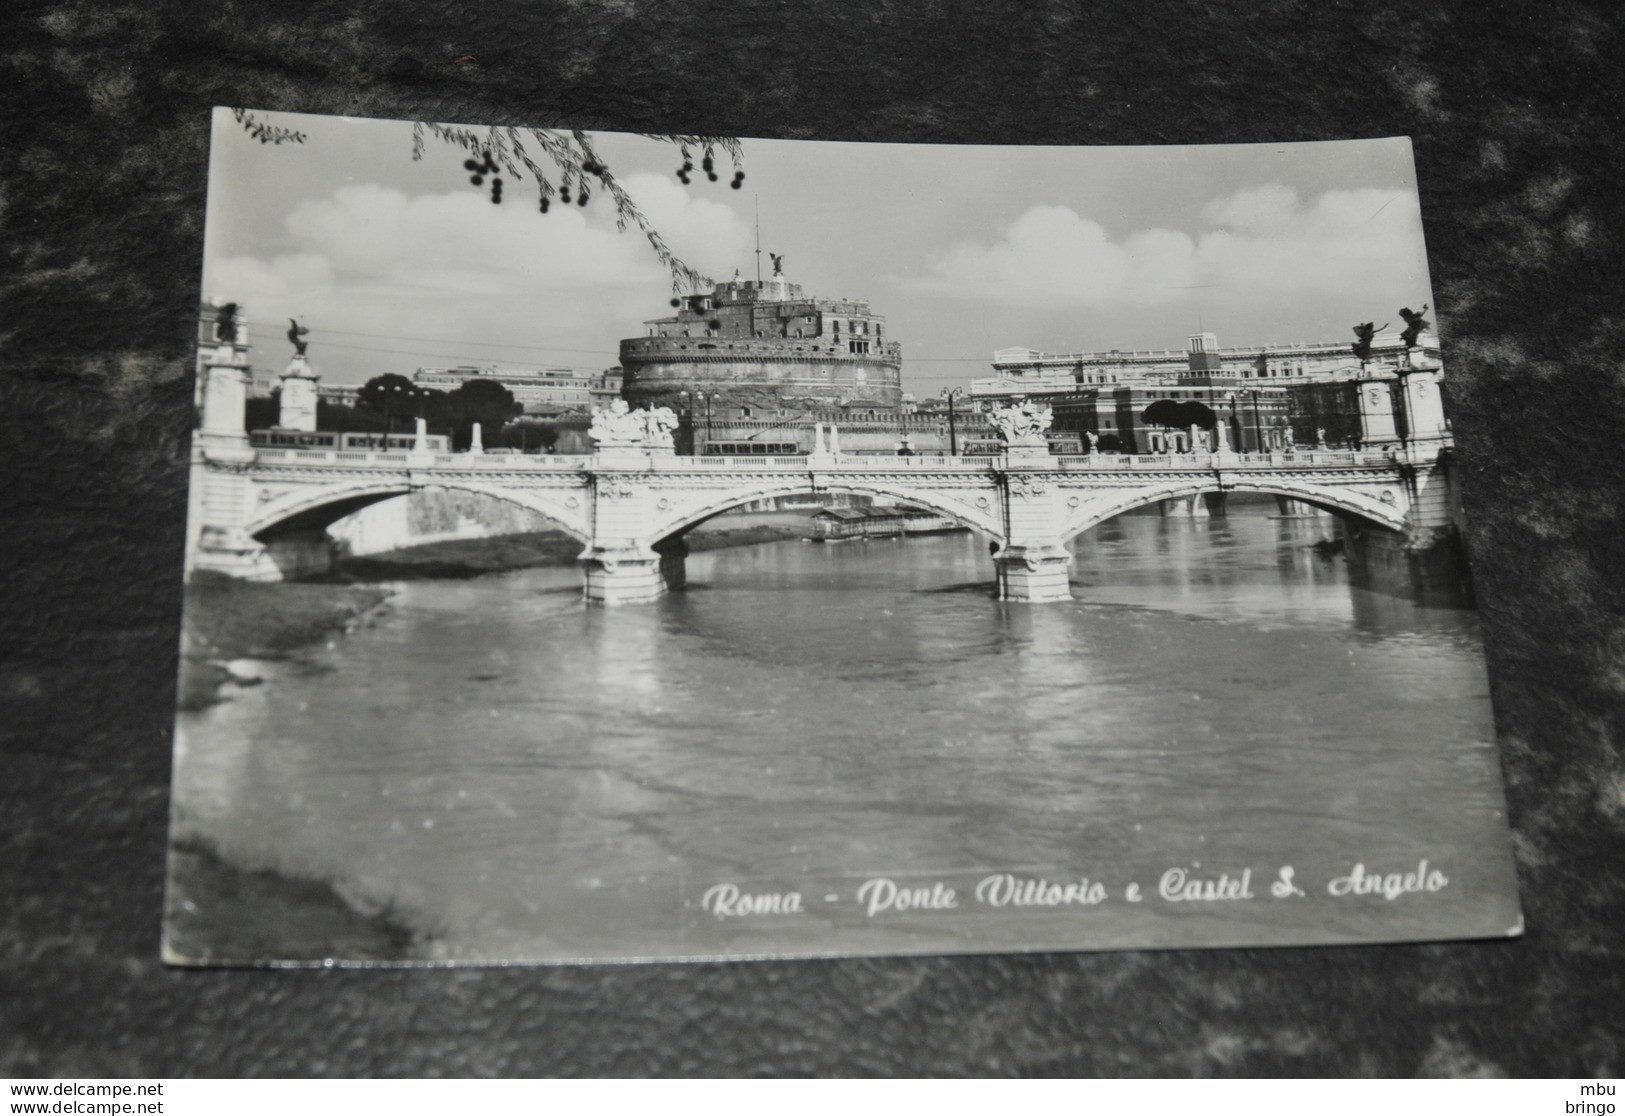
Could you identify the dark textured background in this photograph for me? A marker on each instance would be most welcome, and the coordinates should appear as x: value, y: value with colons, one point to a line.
x: 1515, y: 110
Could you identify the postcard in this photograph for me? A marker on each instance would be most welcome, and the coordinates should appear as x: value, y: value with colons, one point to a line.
x: 613, y: 548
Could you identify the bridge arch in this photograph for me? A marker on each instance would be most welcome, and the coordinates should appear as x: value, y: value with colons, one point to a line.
x: 695, y: 515
x: 307, y: 509
x: 1339, y: 501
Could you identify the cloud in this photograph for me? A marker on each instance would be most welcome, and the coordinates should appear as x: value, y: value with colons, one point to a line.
x: 255, y: 282
x: 375, y: 260
x: 1260, y: 243
x: 707, y: 234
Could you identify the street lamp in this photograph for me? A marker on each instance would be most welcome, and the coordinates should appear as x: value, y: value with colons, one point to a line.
x: 950, y: 394
x: 705, y: 439
x: 391, y: 391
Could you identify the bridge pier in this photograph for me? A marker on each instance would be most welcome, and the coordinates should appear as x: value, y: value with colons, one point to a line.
x: 1430, y: 567
x: 1200, y: 506
x: 1295, y: 509
x: 621, y: 575
x: 673, y: 552
x: 288, y: 557
x: 300, y: 554
x: 1033, y: 573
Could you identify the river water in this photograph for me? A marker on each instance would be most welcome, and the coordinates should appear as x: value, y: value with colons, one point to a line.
x: 521, y: 777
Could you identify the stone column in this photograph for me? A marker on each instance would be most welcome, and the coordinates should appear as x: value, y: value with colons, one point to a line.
x: 1033, y: 566
x: 298, y: 409
x: 221, y: 499
x: 1424, y: 405
x: 618, y: 567
x: 225, y: 397
x: 820, y: 457
x: 476, y: 445
x: 1377, y: 408
x: 420, y: 456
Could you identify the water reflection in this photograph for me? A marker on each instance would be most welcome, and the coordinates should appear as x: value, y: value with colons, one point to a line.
x: 530, y: 778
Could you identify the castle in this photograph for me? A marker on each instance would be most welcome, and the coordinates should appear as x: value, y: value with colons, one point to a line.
x: 752, y: 365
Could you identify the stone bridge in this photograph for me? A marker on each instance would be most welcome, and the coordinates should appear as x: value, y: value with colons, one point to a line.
x: 262, y: 513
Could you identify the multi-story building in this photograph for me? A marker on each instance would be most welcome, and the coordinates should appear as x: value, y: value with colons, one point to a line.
x: 1269, y: 398
x: 339, y: 395
x: 544, y: 391
x: 1027, y: 372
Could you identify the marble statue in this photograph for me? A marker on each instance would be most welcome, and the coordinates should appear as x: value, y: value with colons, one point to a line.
x: 658, y: 424
x: 616, y: 425
x: 1022, y: 423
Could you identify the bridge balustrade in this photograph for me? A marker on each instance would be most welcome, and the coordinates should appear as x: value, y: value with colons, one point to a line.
x: 1298, y: 459
x: 625, y: 502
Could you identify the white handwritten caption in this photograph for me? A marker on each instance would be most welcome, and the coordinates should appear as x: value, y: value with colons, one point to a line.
x: 882, y: 895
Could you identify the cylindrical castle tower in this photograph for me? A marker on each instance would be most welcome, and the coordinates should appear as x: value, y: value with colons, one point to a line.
x: 764, y: 348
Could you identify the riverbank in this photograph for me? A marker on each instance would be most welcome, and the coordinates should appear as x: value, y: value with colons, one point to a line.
x: 463, y: 558
x: 227, y: 620
x: 219, y: 914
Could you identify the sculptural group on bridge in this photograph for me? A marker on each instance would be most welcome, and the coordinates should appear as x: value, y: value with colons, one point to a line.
x: 617, y: 425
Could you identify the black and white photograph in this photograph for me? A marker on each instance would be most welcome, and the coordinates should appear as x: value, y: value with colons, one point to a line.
x: 608, y: 547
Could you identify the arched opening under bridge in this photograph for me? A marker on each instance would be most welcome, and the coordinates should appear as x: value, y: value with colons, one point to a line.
x: 303, y: 533
x: 1261, y: 542
x: 671, y: 538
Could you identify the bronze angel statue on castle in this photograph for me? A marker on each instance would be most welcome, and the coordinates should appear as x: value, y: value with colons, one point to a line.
x: 1363, y: 335
x: 297, y: 334
x: 1415, y: 323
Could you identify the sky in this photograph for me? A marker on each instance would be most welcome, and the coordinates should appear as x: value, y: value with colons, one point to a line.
x: 396, y: 264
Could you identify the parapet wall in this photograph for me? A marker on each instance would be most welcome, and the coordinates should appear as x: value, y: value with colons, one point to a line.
x: 662, y: 379
x: 638, y: 350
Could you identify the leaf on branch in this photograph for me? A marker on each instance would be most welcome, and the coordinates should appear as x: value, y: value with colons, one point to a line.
x: 577, y: 168
x: 524, y: 153
x: 266, y: 133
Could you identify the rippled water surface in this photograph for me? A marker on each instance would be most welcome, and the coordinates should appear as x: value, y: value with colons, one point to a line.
x: 522, y: 777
